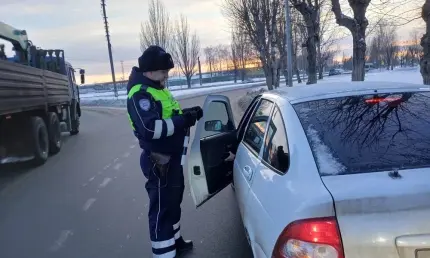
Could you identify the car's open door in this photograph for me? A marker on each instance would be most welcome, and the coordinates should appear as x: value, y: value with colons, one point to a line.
x: 215, y: 135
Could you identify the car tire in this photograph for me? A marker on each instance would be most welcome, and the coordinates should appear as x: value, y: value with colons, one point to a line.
x: 54, y: 130
x: 75, y: 126
x: 39, y: 140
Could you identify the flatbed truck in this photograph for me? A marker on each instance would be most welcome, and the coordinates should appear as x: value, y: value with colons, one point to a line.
x: 39, y: 100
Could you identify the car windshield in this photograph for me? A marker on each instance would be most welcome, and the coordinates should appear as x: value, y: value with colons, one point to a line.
x: 368, y: 133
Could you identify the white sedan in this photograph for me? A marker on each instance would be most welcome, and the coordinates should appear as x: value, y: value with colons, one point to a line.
x: 331, y: 170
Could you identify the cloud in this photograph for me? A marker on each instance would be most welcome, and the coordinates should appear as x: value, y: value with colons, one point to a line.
x: 77, y: 27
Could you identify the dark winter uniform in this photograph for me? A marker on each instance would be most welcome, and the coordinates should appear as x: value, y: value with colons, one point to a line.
x: 161, y: 127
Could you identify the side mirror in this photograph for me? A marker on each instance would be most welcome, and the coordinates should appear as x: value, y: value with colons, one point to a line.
x: 82, y: 72
x: 214, y: 125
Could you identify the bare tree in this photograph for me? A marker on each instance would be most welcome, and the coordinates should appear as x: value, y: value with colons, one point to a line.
x: 357, y: 25
x: 425, y: 43
x: 310, y: 11
x: 398, y: 12
x: 389, y: 48
x: 298, y: 35
x: 222, y: 56
x: 243, y: 50
x: 210, y: 58
x: 186, y: 49
x: 157, y: 29
x: 383, y: 48
x: 216, y: 67
x: 374, y: 51
x: 415, y: 50
x: 258, y: 20
x: 401, y: 55
x: 234, y: 56
x: 329, y: 35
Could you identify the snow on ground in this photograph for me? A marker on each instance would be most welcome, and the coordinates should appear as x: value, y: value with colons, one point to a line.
x: 92, y: 99
x: 407, y: 75
x: 110, y: 94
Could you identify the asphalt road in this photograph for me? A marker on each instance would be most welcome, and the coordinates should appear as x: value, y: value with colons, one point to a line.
x: 89, y: 201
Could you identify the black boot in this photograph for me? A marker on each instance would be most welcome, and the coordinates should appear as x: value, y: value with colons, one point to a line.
x: 183, y: 246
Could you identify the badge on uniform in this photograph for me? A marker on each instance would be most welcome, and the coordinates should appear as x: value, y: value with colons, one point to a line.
x: 145, y: 104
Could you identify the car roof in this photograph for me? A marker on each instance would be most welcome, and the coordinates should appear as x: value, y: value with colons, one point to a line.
x: 321, y: 90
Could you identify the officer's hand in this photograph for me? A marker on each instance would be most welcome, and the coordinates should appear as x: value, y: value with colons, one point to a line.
x: 197, y: 109
x: 199, y: 112
x: 190, y: 118
x: 230, y: 157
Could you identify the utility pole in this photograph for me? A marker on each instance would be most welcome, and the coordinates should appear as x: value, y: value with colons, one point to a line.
x: 200, y: 71
x: 122, y: 68
x: 109, y: 47
x: 289, y: 41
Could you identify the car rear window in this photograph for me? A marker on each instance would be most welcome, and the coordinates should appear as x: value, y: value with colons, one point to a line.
x: 368, y: 133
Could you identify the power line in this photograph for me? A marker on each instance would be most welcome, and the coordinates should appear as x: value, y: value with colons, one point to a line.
x: 109, y: 47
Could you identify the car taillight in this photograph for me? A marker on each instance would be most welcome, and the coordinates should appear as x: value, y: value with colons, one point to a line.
x: 378, y: 100
x: 310, y: 238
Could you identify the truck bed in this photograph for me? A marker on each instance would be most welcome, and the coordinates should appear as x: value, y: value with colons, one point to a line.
x: 24, y: 88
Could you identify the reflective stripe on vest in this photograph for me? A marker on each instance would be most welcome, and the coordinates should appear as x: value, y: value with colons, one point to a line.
x: 168, y: 103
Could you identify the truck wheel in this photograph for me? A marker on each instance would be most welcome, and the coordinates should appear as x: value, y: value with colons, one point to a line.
x: 39, y: 140
x: 54, y: 130
x: 75, y: 126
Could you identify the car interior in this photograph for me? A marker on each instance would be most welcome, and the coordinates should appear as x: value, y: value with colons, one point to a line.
x: 221, y: 137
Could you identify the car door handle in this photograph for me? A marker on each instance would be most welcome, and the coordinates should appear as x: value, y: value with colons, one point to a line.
x: 247, y: 171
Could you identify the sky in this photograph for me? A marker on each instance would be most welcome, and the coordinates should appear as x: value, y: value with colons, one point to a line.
x: 77, y: 27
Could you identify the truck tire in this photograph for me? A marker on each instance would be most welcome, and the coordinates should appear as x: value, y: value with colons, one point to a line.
x: 54, y: 132
x: 75, y: 126
x: 39, y: 140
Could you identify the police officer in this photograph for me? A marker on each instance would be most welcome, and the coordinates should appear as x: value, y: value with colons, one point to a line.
x: 161, y: 127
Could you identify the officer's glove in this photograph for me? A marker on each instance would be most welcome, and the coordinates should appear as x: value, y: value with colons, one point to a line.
x: 199, y: 112
x: 185, y: 110
x: 197, y: 109
x: 190, y: 118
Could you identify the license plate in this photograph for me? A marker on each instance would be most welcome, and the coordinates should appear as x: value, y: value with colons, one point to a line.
x: 423, y: 254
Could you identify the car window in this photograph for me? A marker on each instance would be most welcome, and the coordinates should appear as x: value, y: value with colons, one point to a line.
x: 245, y: 119
x: 256, y: 129
x: 217, y: 119
x: 276, y: 153
x: 72, y: 72
x: 70, y: 76
x: 368, y: 133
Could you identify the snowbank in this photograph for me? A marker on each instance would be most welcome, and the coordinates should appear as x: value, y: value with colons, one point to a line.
x: 108, y: 99
x: 407, y: 75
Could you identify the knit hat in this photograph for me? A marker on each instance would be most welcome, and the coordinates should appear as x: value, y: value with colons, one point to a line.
x: 155, y: 58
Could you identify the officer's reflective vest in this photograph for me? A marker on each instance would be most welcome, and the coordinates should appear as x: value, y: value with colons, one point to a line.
x: 169, y: 105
